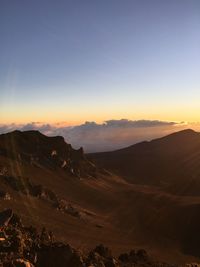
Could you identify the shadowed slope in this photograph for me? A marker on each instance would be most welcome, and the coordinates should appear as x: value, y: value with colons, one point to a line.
x: 95, y: 206
x: 39, y: 150
x: 173, y: 159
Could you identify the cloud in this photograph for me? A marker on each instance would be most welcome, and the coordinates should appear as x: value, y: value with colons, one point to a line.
x: 137, y: 123
x: 110, y: 135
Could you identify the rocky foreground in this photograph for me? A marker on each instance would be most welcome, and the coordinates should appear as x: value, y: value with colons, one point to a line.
x: 22, y: 246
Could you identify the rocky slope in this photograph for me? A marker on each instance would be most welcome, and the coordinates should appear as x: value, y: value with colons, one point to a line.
x: 89, y: 206
x: 171, y: 162
x: 22, y: 246
x: 38, y: 150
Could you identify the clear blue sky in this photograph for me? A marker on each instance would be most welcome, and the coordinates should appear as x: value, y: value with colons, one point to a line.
x: 99, y: 59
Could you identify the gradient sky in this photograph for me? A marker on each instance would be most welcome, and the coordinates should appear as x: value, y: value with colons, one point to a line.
x: 71, y: 61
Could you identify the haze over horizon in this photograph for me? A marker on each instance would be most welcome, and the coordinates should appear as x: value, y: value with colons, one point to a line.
x: 99, y: 60
x: 106, y: 136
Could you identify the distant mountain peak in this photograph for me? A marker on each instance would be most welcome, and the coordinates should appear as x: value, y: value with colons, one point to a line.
x: 179, y: 136
x: 185, y: 132
x: 37, y: 149
x: 32, y: 133
x: 161, y: 160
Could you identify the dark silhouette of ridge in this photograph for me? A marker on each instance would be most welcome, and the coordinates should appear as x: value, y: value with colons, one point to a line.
x: 173, y: 159
x: 153, y: 203
x: 37, y: 149
x: 32, y: 142
x: 174, y: 138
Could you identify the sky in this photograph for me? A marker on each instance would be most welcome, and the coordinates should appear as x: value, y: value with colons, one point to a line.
x: 96, y: 60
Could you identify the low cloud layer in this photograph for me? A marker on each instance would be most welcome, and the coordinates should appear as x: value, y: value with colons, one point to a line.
x: 110, y: 135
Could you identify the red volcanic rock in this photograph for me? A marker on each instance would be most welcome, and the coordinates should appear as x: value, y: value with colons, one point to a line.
x: 5, y: 217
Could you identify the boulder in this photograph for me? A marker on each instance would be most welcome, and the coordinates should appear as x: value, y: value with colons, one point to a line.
x: 5, y: 217
x: 22, y: 263
x: 111, y: 262
x: 57, y: 253
x: 124, y: 257
x: 103, y: 251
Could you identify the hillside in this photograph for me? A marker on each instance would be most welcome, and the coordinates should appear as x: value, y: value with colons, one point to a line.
x: 172, y: 162
x: 85, y: 205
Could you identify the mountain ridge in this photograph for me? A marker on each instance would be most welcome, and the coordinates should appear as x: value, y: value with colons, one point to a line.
x: 103, y: 208
x: 172, y: 157
x: 37, y: 149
